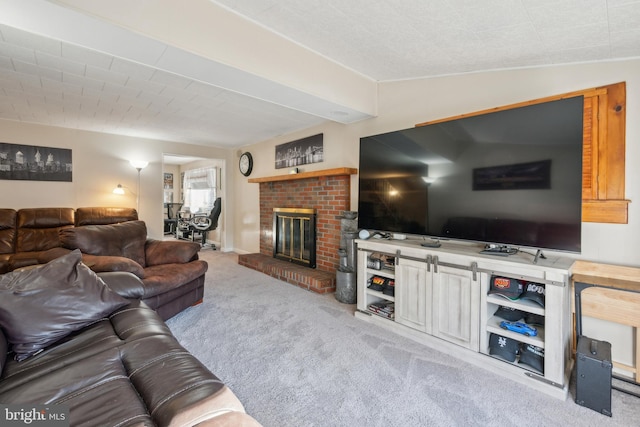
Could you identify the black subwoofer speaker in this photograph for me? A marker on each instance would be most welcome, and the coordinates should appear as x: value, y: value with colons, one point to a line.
x: 593, y: 375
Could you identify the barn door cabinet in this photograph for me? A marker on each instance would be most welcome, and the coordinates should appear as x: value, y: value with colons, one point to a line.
x: 441, y: 300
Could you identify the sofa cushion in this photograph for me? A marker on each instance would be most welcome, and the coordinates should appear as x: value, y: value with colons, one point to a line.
x: 4, y: 264
x: 41, y: 305
x: 125, y: 239
x: 101, y: 215
x: 96, y: 389
x: 23, y: 259
x: 38, y: 228
x: 7, y: 231
x: 133, y: 322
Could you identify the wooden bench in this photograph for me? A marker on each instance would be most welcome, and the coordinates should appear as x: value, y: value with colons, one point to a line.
x: 613, y: 295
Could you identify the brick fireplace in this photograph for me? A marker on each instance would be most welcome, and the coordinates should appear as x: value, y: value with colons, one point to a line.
x: 328, y: 193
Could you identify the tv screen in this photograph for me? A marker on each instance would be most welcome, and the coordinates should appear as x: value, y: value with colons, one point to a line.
x: 511, y: 177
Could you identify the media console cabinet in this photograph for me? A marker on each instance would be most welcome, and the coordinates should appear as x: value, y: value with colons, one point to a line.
x: 441, y: 300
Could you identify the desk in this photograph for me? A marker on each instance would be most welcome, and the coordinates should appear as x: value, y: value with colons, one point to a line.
x: 612, y: 293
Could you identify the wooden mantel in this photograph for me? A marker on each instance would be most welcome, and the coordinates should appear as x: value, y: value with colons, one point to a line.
x: 303, y: 175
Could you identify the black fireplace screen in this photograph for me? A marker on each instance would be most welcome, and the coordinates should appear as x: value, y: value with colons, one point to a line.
x: 294, y: 235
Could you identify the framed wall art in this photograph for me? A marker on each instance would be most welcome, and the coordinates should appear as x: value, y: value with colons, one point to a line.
x: 300, y: 152
x: 35, y: 163
x: 168, y: 181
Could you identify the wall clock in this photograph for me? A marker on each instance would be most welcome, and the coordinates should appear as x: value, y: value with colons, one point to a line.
x: 246, y: 163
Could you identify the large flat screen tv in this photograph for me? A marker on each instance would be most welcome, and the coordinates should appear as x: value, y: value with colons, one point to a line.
x: 509, y: 178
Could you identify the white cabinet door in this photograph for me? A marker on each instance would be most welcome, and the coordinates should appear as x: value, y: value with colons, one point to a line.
x: 456, y: 302
x: 413, y: 295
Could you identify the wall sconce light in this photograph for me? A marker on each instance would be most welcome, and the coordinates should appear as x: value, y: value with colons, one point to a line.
x: 139, y: 165
x: 119, y: 190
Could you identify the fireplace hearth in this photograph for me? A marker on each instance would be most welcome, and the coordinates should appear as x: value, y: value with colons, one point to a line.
x: 294, y: 235
x: 327, y: 192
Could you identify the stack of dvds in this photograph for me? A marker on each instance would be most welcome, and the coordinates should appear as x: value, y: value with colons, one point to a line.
x: 383, y: 308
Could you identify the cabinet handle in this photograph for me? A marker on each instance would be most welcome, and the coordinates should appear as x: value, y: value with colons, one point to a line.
x: 474, y: 270
x: 428, y: 261
x: 397, y: 256
x: 435, y: 264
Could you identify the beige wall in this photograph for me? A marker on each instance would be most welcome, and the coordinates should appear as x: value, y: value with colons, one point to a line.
x: 100, y: 162
x: 338, y: 152
x: 403, y: 104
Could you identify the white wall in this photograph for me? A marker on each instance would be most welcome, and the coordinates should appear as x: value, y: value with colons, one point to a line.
x: 100, y: 162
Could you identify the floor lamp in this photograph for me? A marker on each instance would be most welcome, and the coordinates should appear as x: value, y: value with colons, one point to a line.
x: 139, y: 165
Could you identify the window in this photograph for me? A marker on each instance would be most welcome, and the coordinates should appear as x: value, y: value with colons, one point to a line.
x: 200, y: 189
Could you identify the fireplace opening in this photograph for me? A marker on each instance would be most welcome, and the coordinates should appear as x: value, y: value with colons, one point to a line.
x: 294, y: 235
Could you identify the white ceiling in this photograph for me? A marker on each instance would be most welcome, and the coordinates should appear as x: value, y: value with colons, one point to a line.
x: 85, y: 69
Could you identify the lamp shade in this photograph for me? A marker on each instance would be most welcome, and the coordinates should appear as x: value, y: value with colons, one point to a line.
x: 139, y: 164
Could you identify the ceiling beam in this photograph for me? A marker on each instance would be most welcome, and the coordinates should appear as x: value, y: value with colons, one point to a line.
x: 205, y: 42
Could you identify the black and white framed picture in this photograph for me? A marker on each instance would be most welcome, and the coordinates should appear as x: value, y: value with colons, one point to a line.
x: 35, y: 163
x: 300, y: 152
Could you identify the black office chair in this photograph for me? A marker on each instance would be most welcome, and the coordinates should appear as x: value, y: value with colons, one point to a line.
x: 171, y: 221
x: 183, y: 229
x: 201, y: 224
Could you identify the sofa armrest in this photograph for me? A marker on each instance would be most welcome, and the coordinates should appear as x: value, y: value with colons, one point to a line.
x: 231, y: 419
x: 177, y: 389
x: 105, y: 263
x: 159, y: 252
x: 125, y: 284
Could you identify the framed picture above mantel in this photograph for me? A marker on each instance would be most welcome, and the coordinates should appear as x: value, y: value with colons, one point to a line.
x: 300, y: 152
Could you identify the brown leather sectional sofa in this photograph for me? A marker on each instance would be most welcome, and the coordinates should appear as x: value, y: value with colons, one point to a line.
x: 125, y: 369
x: 111, y: 239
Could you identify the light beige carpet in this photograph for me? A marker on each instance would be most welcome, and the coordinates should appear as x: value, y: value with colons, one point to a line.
x: 298, y: 359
